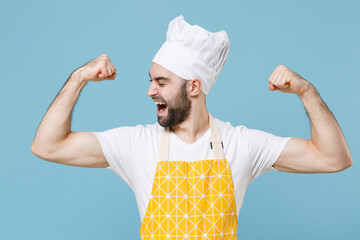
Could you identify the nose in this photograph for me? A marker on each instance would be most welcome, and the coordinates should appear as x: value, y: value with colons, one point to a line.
x: 152, y: 91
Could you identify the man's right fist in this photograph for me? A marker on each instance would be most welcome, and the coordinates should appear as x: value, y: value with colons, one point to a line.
x: 98, y: 69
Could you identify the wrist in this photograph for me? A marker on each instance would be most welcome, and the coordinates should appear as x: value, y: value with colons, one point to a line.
x: 307, y: 90
x: 76, y: 76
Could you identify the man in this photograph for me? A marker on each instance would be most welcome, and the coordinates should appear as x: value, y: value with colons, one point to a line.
x: 189, y: 171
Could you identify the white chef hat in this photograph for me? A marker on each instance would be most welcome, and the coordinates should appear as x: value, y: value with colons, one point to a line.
x: 193, y: 52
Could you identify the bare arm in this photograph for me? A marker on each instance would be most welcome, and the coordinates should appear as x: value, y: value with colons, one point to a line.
x: 54, y: 141
x: 327, y: 150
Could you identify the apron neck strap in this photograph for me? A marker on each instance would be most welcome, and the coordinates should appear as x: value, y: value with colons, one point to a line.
x: 164, y: 145
x: 216, y: 144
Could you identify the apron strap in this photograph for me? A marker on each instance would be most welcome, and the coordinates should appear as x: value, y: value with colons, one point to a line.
x: 164, y: 145
x: 216, y: 144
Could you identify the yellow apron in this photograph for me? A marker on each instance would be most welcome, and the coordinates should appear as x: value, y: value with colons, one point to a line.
x: 191, y: 200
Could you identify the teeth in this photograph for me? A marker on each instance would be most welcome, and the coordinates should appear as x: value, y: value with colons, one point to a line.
x: 159, y: 103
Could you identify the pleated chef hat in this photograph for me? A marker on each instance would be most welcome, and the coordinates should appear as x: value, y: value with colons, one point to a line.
x: 193, y: 52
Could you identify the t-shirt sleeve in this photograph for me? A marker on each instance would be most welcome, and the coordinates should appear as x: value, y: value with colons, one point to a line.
x: 263, y: 150
x: 117, y: 145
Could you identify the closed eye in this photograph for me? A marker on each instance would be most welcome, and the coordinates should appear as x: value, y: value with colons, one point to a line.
x: 160, y: 84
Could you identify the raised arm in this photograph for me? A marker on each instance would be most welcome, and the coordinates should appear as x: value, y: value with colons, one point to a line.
x: 327, y: 150
x: 54, y: 141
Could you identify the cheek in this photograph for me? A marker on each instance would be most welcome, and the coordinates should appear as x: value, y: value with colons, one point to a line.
x: 166, y: 95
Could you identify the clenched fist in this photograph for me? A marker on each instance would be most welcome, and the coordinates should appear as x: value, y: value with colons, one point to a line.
x: 285, y: 80
x: 98, y: 69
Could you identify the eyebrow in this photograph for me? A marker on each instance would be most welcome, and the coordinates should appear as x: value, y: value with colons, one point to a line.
x: 159, y: 78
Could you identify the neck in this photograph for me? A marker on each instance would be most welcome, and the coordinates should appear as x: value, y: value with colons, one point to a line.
x: 194, y: 126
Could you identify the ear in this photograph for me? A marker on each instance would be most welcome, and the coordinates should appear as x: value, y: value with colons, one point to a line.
x: 194, y: 87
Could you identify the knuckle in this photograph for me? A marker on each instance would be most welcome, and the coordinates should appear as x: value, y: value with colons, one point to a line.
x: 102, y: 64
x: 281, y: 67
x: 104, y: 56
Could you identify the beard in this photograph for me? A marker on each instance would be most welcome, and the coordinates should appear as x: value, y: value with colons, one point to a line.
x: 178, y: 109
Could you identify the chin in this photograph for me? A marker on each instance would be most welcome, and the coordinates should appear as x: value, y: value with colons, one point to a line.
x: 161, y: 121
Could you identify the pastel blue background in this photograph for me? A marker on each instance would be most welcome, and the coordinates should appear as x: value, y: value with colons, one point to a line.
x: 42, y: 42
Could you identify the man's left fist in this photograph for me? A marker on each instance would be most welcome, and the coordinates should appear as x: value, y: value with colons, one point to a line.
x: 287, y: 81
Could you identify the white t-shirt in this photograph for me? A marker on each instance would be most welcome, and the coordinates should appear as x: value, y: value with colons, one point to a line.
x: 133, y: 154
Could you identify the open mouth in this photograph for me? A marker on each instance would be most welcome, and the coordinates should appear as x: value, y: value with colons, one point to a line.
x: 161, y: 108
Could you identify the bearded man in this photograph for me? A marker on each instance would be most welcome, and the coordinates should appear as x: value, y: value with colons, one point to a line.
x: 189, y: 171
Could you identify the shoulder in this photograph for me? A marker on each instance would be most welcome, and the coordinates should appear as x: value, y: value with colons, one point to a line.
x: 240, y: 134
x: 147, y: 127
x: 148, y: 130
x: 143, y: 130
x: 226, y: 128
x: 230, y: 135
x: 223, y: 125
x: 133, y: 131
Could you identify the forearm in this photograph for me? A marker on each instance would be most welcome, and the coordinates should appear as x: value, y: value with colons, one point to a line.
x: 56, y: 124
x: 327, y: 136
